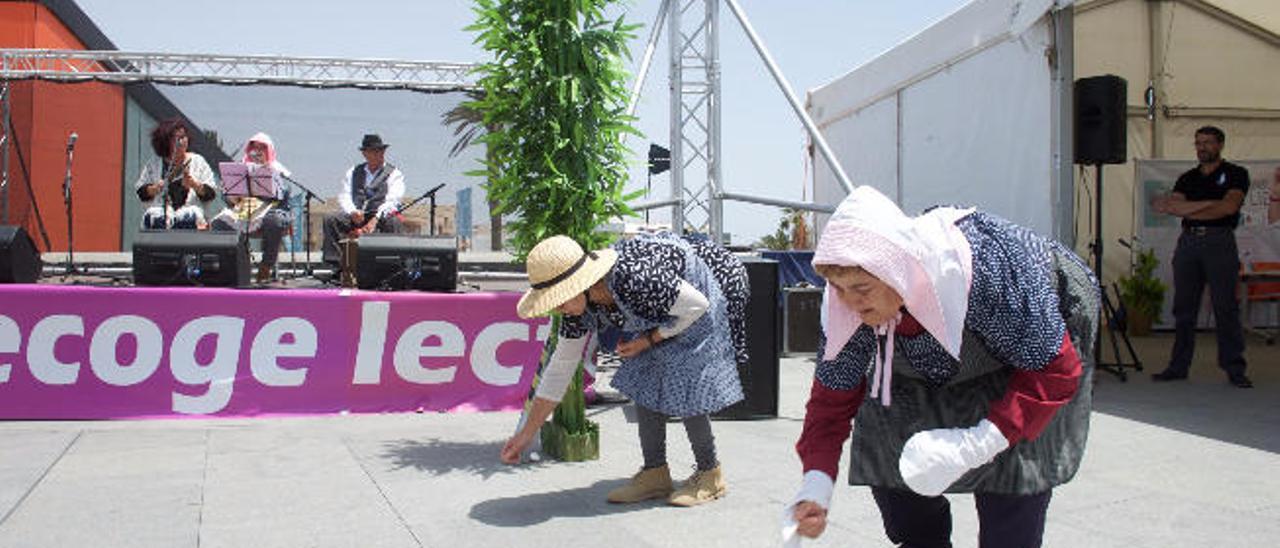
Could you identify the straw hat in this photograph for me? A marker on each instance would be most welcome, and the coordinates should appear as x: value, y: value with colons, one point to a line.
x: 558, y: 271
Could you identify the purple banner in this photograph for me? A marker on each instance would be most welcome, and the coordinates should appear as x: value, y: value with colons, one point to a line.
x: 93, y: 353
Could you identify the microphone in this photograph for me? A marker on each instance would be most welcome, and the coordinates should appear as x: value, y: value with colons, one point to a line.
x: 71, y: 141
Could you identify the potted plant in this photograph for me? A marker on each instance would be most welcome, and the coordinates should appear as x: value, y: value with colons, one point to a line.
x: 554, y: 111
x: 1142, y: 293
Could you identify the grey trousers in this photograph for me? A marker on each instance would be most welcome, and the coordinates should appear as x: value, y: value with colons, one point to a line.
x: 653, y: 438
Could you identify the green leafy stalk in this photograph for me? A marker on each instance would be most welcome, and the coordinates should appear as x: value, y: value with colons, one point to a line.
x: 554, y: 110
x: 555, y: 104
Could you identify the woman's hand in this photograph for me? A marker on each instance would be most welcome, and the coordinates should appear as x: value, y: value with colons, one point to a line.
x: 634, y: 347
x: 811, y: 519
x: 516, y: 445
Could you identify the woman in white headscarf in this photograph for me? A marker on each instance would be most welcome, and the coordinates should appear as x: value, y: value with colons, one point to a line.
x: 270, y: 218
x: 973, y: 337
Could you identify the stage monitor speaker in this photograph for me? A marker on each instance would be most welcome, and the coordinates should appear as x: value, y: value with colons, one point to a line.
x: 1101, y: 105
x: 803, y: 313
x: 760, y: 375
x: 19, y: 261
x: 185, y: 257
x: 397, y: 261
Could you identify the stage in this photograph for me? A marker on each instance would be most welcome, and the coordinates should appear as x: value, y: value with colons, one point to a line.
x: 94, y: 352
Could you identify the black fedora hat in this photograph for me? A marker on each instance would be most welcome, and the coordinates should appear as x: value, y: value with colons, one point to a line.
x: 374, y: 141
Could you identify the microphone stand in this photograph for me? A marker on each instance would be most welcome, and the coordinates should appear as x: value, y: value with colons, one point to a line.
x: 66, y: 199
x: 306, y: 206
x: 431, y: 230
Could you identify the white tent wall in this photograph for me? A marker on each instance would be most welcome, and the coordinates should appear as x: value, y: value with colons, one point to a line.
x: 1219, y: 70
x: 962, y: 113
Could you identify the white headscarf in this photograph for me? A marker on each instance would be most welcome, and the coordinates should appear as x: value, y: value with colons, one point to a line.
x: 926, y: 259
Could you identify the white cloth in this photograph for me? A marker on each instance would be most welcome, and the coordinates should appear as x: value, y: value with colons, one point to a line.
x: 690, y: 305
x: 395, y: 191
x: 932, y: 460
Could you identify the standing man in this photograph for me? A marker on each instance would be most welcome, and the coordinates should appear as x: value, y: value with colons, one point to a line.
x: 1208, y: 199
x: 370, y: 199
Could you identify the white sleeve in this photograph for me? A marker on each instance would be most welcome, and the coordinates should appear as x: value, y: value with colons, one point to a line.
x: 561, y: 366
x: 201, y: 172
x: 816, y: 486
x: 395, y: 193
x: 344, y: 197
x: 690, y: 305
x: 150, y: 174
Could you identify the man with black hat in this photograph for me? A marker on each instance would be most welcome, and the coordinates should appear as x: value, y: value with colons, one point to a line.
x: 370, y: 199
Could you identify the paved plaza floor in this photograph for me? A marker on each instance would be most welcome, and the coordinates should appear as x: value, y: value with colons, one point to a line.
x: 1188, y: 464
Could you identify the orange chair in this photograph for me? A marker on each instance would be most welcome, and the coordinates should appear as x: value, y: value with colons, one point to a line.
x: 1261, y: 281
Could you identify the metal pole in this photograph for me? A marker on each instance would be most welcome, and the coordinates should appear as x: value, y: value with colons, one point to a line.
x: 716, y: 215
x: 823, y: 147
x: 806, y: 206
x: 649, y: 48
x: 677, y: 139
x: 4, y: 156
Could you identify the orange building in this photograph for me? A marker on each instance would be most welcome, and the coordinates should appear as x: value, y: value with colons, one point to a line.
x: 113, y: 124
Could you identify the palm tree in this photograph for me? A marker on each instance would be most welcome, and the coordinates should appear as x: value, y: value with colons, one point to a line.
x: 468, y: 126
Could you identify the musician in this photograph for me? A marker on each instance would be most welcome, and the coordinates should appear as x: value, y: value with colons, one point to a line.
x: 176, y: 183
x: 270, y: 218
x: 370, y: 199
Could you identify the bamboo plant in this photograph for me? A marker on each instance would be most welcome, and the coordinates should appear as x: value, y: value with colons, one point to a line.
x: 554, y: 104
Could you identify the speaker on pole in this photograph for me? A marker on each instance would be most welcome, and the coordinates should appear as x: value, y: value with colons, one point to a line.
x: 1100, y: 132
x: 19, y: 261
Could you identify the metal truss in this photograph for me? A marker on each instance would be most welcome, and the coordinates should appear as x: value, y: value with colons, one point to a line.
x: 168, y: 68
x: 695, y: 116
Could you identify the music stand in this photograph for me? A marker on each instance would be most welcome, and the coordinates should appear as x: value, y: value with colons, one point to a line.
x: 239, y: 179
x: 248, y: 180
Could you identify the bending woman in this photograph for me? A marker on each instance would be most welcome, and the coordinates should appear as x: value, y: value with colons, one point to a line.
x: 973, y: 337
x: 680, y: 303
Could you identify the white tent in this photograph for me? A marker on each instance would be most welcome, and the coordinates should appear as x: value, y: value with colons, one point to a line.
x: 973, y: 110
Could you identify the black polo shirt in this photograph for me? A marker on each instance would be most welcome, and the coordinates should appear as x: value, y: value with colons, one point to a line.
x: 1197, y: 186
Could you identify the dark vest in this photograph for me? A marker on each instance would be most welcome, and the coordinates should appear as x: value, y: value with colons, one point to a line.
x: 369, y: 199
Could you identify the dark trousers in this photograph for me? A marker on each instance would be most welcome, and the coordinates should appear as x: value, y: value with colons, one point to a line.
x: 653, y: 438
x: 274, y: 225
x: 1004, y: 521
x: 338, y: 224
x: 1208, y: 258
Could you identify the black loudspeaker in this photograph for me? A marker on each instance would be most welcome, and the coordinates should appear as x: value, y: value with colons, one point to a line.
x: 395, y: 261
x: 1100, y: 120
x: 764, y: 343
x: 803, y: 313
x: 19, y: 261
x: 184, y: 257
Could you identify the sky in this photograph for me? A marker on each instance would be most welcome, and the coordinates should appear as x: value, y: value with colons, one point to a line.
x: 813, y: 42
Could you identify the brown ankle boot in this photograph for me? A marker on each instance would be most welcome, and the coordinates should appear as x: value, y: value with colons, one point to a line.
x: 264, y: 274
x: 702, y: 487
x: 648, y: 483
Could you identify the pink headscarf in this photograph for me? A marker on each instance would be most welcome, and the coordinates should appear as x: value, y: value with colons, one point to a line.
x: 926, y: 259
x: 271, y: 160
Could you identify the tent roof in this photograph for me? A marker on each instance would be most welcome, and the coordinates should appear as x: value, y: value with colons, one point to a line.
x: 1263, y: 14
